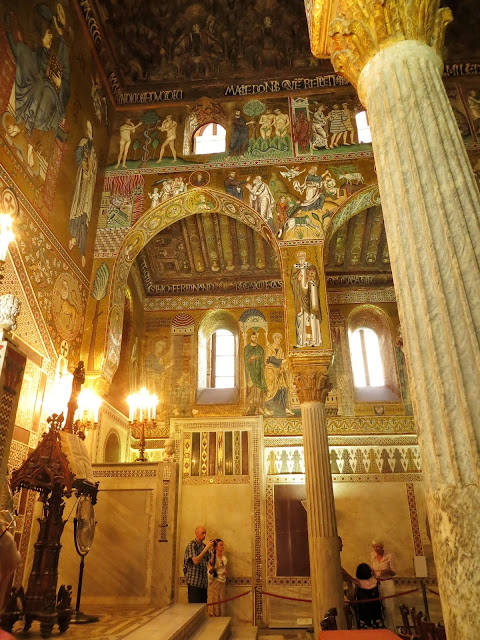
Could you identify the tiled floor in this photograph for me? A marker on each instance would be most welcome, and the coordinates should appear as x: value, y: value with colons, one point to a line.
x: 118, y: 623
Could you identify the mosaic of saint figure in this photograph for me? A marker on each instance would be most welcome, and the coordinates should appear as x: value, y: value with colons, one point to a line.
x: 81, y: 210
x: 254, y: 357
x: 276, y: 376
x: 42, y: 78
x: 306, y: 294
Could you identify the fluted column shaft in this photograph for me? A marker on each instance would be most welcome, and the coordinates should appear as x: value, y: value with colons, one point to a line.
x: 431, y: 208
x: 323, y: 544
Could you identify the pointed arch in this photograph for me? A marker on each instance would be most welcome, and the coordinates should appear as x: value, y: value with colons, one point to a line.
x: 195, y: 201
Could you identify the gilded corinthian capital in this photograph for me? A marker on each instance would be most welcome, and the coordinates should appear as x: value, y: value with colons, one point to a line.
x: 310, y: 377
x: 362, y: 28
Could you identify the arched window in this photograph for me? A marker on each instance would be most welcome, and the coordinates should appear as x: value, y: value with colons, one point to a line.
x: 364, y: 133
x: 367, y: 363
x: 372, y: 355
x: 221, y: 365
x: 218, y: 365
x: 209, y: 138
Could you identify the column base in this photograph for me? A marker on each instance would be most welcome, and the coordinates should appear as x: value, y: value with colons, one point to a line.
x: 328, y: 578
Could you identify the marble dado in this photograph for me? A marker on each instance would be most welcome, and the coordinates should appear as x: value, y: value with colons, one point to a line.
x: 344, y: 425
x: 394, y: 459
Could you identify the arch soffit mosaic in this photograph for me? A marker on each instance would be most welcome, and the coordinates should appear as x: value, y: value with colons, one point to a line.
x: 193, y: 202
x: 364, y: 199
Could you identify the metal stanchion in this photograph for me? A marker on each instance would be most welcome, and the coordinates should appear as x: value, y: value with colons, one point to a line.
x: 425, y: 601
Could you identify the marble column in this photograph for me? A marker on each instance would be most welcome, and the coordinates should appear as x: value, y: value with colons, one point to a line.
x: 310, y: 378
x: 431, y: 208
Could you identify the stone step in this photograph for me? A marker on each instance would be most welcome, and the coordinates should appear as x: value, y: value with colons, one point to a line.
x: 244, y: 632
x: 178, y: 622
x: 213, y: 629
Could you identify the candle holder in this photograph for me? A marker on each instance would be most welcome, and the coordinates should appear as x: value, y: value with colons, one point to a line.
x: 86, y: 414
x: 142, y: 407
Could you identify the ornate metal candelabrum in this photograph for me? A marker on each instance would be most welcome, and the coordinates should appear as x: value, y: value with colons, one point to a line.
x: 58, y: 467
x: 86, y: 415
x: 142, y: 406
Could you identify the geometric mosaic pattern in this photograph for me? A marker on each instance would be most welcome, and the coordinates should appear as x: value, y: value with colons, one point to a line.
x: 340, y: 425
x: 412, y: 508
x: 347, y: 460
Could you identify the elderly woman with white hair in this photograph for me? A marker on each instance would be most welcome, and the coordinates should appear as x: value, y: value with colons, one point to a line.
x: 383, y: 566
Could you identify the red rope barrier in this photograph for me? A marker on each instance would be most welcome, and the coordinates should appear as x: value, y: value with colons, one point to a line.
x: 240, y: 595
x: 395, y: 595
x: 276, y: 595
x: 432, y: 591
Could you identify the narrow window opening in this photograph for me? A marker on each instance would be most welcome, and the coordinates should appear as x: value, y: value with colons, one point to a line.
x: 364, y: 133
x: 366, y: 359
x: 221, y: 360
x: 210, y: 138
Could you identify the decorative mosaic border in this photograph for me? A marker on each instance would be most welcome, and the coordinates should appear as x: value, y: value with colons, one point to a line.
x: 214, y: 302
x: 126, y: 473
x: 412, y: 508
x: 299, y: 478
x: 35, y: 310
x: 387, y: 441
x: 42, y: 225
x: 232, y: 581
x: 371, y: 424
x: 236, y: 164
x: 372, y: 295
x: 233, y: 301
x: 348, y: 460
x: 393, y: 440
x: 216, y: 479
x: 344, y: 425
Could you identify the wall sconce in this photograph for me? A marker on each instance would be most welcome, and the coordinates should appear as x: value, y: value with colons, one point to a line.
x: 86, y: 415
x: 6, y: 236
x: 142, y: 408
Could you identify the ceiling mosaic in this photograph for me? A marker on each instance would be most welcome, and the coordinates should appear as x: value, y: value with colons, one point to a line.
x: 208, y: 253
x: 192, y: 48
x: 360, y: 242
x: 206, y: 44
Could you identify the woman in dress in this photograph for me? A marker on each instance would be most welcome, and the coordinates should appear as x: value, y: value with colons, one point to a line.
x: 217, y: 579
x: 383, y: 567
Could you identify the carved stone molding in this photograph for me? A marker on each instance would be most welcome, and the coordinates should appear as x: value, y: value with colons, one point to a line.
x: 310, y: 377
x: 362, y: 28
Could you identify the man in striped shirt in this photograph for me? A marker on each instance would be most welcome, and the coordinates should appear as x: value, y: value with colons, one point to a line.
x: 195, y: 566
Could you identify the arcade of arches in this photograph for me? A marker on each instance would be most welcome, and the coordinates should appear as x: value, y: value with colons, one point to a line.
x: 342, y: 275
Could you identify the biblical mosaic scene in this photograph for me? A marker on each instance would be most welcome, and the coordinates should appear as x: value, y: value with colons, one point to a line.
x: 238, y: 314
